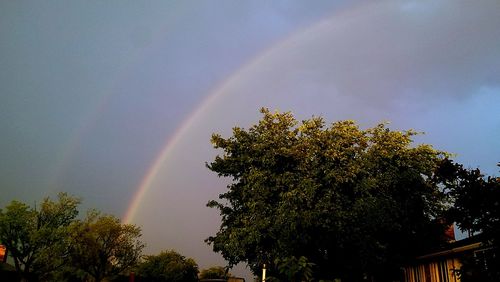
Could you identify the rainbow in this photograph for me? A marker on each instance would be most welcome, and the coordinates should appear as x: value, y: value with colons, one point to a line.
x: 162, y: 156
x: 204, y: 107
x: 74, y: 141
x: 171, y: 142
x: 99, y: 107
x: 91, y: 118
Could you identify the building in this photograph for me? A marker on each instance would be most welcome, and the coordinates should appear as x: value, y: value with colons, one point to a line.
x: 446, y: 265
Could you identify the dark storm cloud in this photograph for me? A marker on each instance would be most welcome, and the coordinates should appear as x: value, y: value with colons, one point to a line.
x: 91, y: 91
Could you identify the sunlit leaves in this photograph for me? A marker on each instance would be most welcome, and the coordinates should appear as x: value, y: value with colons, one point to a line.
x: 35, y: 236
x: 336, y: 195
x: 214, y: 272
x: 48, y: 243
x: 101, y: 246
x: 168, y: 266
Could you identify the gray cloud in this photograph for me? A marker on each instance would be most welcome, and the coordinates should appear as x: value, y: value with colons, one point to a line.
x: 111, y: 83
x: 424, y: 65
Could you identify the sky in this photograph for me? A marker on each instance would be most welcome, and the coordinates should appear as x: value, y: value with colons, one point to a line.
x: 115, y: 101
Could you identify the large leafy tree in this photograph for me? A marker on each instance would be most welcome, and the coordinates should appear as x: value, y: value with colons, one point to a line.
x: 345, y: 202
x: 168, y: 266
x: 35, y: 236
x: 102, y: 247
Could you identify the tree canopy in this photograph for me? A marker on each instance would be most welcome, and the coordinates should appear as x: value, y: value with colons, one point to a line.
x: 476, y: 210
x: 338, y: 200
x: 48, y: 243
x: 168, y: 266
x: 214, y: 272
x: 35, y: 237
x: 102, y: 247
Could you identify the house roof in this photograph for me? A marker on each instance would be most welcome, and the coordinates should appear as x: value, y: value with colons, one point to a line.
x: 456, y: 247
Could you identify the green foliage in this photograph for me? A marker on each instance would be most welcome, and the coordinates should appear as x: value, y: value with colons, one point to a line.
x: 102, y: 247
x: 167, y: 266
x: 347, y: 200
x: 49, y: 244
x: 293, y: 269
x: 214, y: 272
x: 35, y: 238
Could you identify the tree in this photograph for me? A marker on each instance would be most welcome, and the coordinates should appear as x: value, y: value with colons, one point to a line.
x: 35, y: 238
x: 214, y: 272
x: 346, y: 202
x: 103, y: 247
x: 293, y: 269
x: 475, y: 209
x: 168, y: 266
